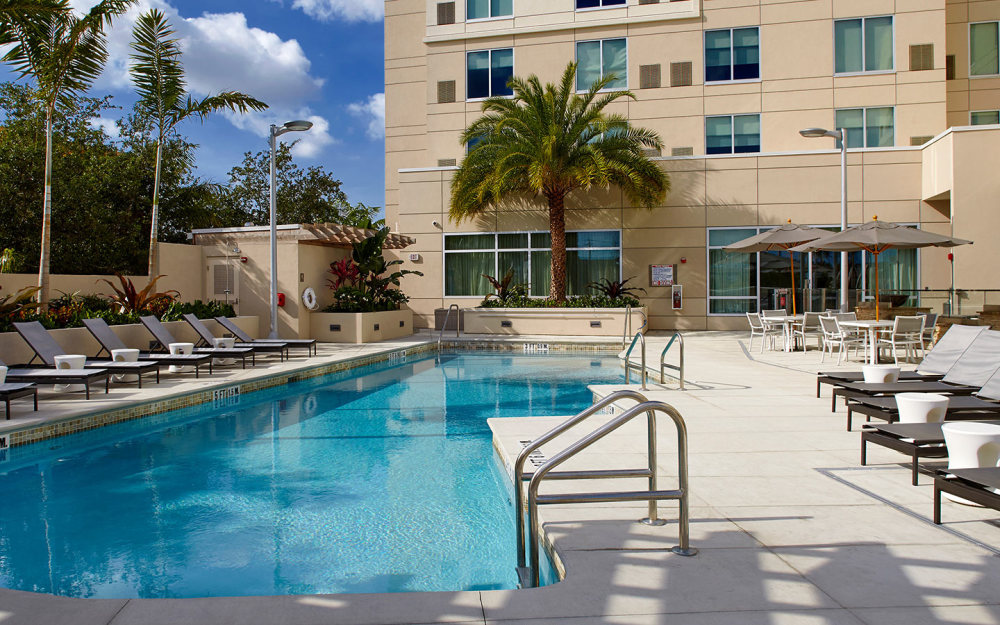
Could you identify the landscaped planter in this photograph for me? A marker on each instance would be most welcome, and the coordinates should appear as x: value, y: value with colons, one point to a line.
x: 361, y: 327
x: 552, y: 321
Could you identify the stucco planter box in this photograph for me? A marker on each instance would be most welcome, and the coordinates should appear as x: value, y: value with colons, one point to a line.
x: 361, y: 327
x: 551, y: 321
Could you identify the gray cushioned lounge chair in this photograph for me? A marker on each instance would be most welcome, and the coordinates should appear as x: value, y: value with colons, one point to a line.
x: 109, y: 341
x: 59, y: 376
x: 208, y: 339
x: 164, y: 338
x: 243, y: 337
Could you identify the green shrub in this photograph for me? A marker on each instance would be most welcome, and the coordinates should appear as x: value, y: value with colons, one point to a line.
x: 577, y: 301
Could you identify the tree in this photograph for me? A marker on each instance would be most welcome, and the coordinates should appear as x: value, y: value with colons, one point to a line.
x: 159, y: 80
x: 64, y: 53
x: 303, y: 196
x: 549, y: 141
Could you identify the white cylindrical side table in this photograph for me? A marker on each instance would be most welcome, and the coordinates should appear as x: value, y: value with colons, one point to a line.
x: 178, y: 349
x: 226, y: 342
x: 125, y: 355
x: 70, y: 361
x: 971, y: 445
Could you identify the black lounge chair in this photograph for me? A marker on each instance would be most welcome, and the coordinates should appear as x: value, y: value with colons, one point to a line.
x: 14, y: 390
x: 164, y: 339
x: 243, y: 337
x: 109, y: 341
x: 46, y: 349
x: 969, y: 374
x: 935, y: 364
x: 59, y: 376
x: 208, y: 339
x: 916, y: 440
x: 976, y: 485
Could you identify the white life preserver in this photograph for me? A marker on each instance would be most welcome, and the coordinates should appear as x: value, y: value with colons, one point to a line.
x: 309, y: 299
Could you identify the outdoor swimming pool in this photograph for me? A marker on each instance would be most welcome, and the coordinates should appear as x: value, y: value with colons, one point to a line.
x: 380, y: 479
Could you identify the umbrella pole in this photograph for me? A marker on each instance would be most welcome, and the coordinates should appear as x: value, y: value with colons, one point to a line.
x: 791, y: 257
x: 875, y: 254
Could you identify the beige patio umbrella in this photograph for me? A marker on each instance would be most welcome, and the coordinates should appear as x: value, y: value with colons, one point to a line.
x: 876, y: 237
x: 780, y: 239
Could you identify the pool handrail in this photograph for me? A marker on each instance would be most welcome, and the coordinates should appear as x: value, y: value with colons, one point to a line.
x: 458, y: 323
x: 679, y: 368
x: 627, y: 326
x: 641, y: 339
x: 681, y: 494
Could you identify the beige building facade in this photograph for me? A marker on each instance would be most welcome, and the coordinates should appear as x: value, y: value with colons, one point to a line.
x: 728, y: 84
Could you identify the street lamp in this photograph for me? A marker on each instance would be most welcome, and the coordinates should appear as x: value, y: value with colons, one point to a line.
x: 839, y: 135
x: 298, y: 125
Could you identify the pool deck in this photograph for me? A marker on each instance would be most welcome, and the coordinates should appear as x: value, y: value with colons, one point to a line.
x: 790, y: 528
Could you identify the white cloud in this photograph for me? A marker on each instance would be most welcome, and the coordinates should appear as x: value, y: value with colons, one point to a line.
x: 348, y: 10
x: 309, y: 144
x: 109, y: 126
x: 374, y: 111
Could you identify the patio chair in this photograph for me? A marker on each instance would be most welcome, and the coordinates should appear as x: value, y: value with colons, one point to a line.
x: 109, y: 341
x: 243, y: 337
x: 46, y: 349
x: 774, y: 312
x: 976, y: 485
x: 834, y: 336
x: 761, y: 329
x: 930, y: 322
x: 907, y: 333
x: 935, y: 364
x: 15, y: 390
x: 164, y: 338
x: 808, y: 327
x: 208, y: 339
x: 59, y: 376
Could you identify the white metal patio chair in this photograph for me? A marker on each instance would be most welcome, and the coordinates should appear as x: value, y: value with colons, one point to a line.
x: 834, y: 336
x: 764, y: 330
x: 907, y: 333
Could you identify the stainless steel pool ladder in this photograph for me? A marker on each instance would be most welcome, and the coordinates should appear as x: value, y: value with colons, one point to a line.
x: 679, y: 368
x: 529, y: 573
x: 641, y: 339
x: 627, y: 329
x: 458, y: 323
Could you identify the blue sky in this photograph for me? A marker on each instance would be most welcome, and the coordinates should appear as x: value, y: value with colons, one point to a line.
x: 320, y: 60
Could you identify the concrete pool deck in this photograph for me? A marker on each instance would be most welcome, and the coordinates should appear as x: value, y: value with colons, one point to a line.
x: 791, y: 529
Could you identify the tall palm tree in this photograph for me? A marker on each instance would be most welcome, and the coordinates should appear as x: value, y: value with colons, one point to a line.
x: 158, y: 76
x: 64, y: 52
x: 549, y: 141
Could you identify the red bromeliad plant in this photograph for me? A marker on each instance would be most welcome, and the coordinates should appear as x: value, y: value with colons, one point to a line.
x: 130, y: 300
x: 345, y: 272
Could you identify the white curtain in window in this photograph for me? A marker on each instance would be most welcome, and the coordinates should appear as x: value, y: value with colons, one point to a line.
x: 588, y: 58
x: 847, y: 46
x: 616, y: 62
x: 853, y: 121
x: 477, y: 9
x: 983, y: 44
x: 879, y: 127
x: 878, y: 44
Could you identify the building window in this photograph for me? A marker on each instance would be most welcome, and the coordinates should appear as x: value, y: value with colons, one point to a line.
x: 982, y: 118
x: 484, y: 9
x: 597, y: 59
x: 863, y: 44
x: 590, y: 256
x: 732, y: 278
x: 732, y: 54
x: 867, y: 127
x: 732, y: 134
x: 596, y: 4
x: 488, y: 73
x: 984, y: 59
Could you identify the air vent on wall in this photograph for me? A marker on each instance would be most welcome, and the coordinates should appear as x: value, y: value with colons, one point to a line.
x: 649, y: 76
x: 680, y: 74
x: 649, y: 1
x: 921, y: 57
x: 949, y: 67
x: 651, y: 152
x: 682, y: 152
x: 920, y: 140
x: 446, y: 13
x: 447, y: 162
x: 446, y: 91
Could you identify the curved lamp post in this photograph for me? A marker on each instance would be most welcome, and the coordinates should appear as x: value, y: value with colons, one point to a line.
x: 839, y: 135
x: 298, y: 125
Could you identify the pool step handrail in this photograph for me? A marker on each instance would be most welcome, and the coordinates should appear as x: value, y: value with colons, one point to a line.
x: 641, y: 339
x: 529, y: 574
x: 627, y: 327
x: 458, y: 323
x: 679, y: 368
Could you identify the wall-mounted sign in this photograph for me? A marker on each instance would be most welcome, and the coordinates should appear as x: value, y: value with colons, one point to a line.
x: 677, y: 296
x: 661, y: 275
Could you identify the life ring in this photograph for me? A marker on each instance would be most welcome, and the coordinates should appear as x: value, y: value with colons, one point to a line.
x: 309, y: 299
x: 310, y: 405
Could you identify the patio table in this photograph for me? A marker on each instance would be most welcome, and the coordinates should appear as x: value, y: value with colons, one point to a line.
x: 871, y: 327
x: 786, y: 321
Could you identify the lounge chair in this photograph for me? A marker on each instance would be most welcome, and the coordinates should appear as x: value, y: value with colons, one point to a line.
x: 164, y: 338
x: 235, y: 330
x: 935, y: 364
x: 208, y: 339
x: 968, y: 376
x: 46, y: 349
x: 14, y: 390
x: 59, y: 376
x: 109, y: 341
x: 976, y: 485
x: 917, y: 440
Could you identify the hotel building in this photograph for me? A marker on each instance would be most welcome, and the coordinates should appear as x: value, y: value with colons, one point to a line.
x: 728, y: 85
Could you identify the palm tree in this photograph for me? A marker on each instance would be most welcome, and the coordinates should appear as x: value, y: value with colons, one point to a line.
x: 549, y: 141
x: 64, y: 52
x: 159, y: 80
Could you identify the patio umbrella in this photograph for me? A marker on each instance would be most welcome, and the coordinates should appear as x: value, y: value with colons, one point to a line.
x: 876, y: 237
x: 780, y: 239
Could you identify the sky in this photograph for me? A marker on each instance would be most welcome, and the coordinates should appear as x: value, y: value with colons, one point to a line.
x: 320, y: 60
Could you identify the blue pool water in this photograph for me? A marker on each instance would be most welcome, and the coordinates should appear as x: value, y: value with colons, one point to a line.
x: 381, y: 479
